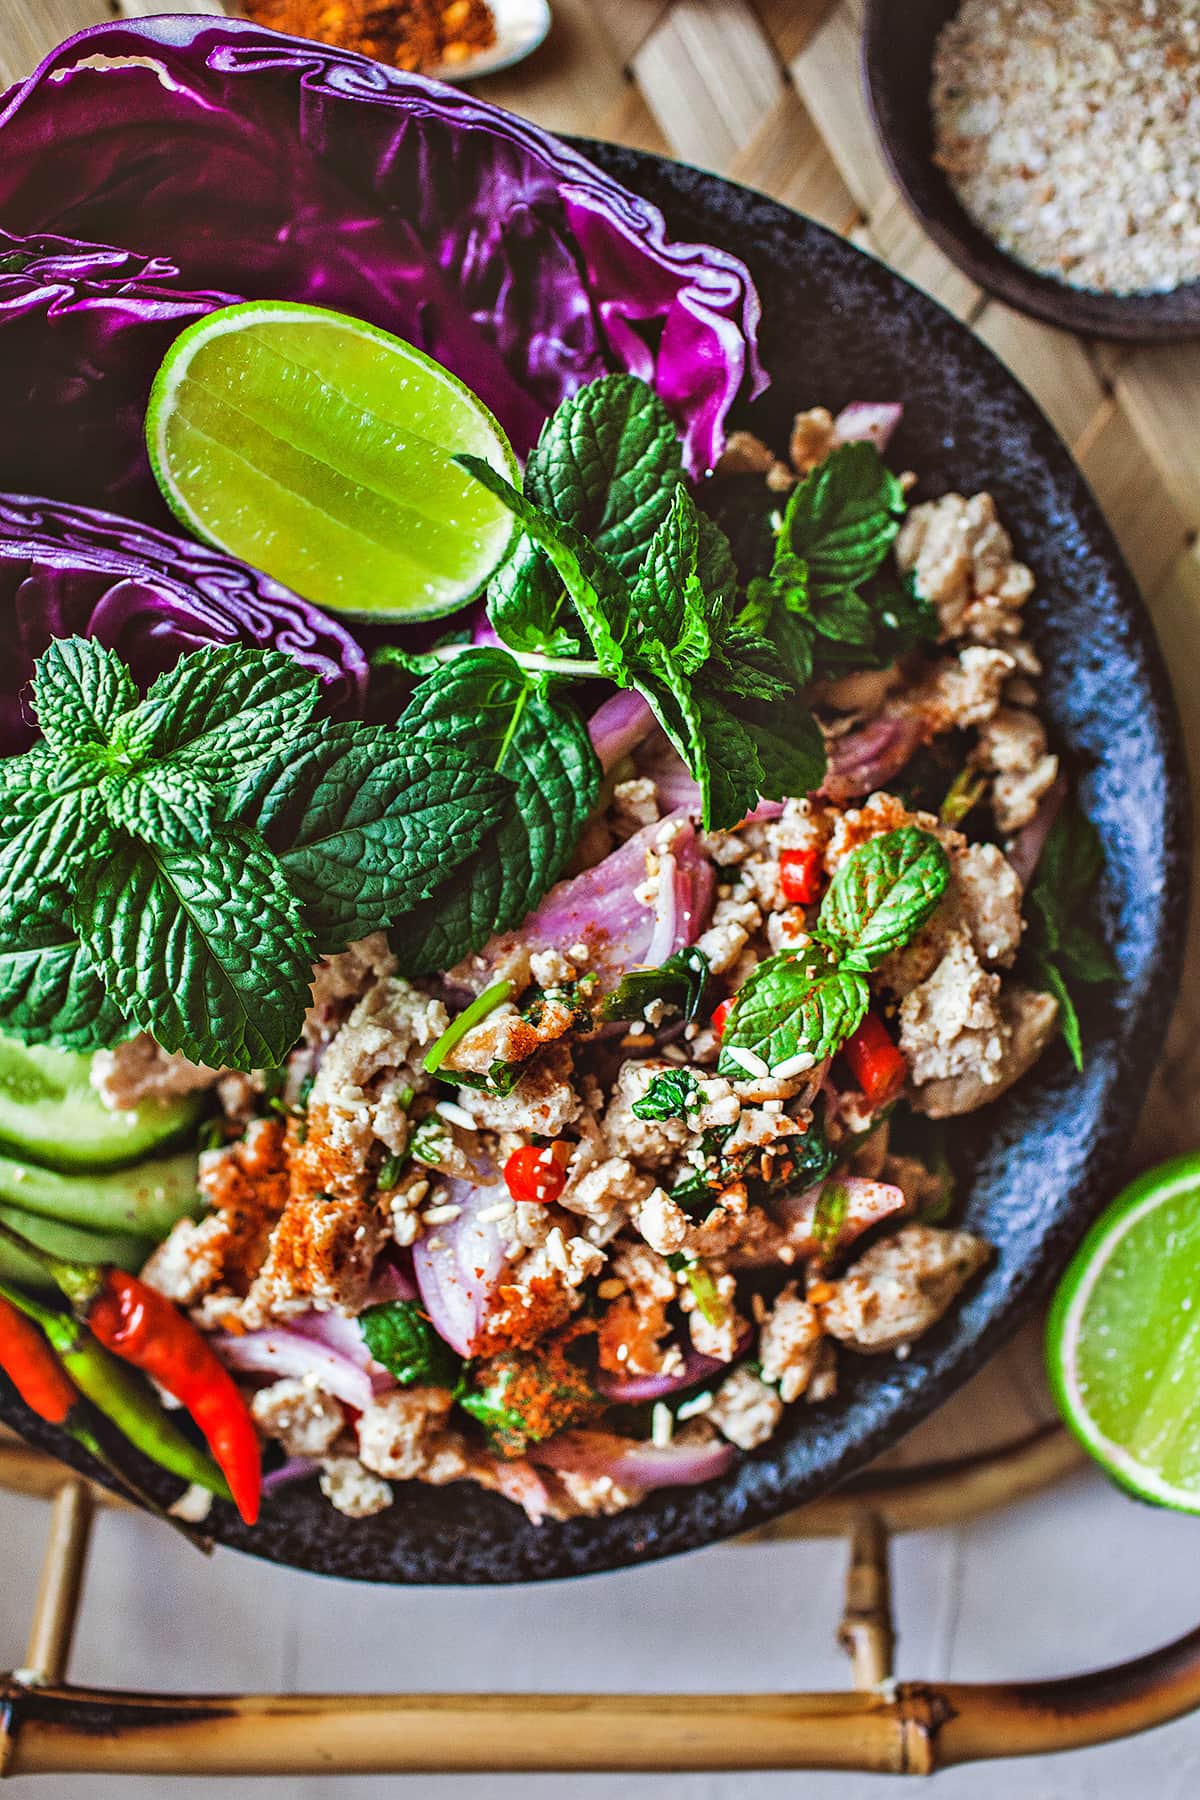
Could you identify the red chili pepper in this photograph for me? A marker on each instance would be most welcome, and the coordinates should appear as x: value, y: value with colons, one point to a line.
x: 536, y: 1175
x: 144, y: 1328
x: 801, y: 876
x: 721, y: 1014
x: 876, y: 1063
x: 33, y: 1368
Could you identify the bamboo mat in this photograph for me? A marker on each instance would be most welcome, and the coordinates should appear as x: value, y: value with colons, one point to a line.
x: 768, y: 93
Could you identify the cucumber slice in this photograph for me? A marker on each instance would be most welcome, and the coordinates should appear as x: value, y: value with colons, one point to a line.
x: 122, y: 1248
x: 142, y: 1202
x: 50, y: 1111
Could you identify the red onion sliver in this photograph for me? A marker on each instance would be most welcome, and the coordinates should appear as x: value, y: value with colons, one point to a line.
x: 633, y: 1390
x: 869, y: 420
x: 458, y: 1265
x: 634, y: 1463
x: 280, y: 1352
x: 618, y: 725
x: 866, y: 759
x: 1025, y: 850
x: 296, y: 1468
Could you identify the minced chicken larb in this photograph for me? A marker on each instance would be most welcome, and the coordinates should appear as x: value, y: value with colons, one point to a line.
x: 645, y: 1262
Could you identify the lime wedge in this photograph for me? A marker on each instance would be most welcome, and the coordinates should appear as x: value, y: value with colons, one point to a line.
x: 1123, y: 1340
x: 320, y: 449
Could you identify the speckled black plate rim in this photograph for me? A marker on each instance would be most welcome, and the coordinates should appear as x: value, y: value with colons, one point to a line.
x: 892, y: 51
x: 1055, y: 1146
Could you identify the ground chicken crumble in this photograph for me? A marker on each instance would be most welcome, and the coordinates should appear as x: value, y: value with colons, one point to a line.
x: 686, y: 1251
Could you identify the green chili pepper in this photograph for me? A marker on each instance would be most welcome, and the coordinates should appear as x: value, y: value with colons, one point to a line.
x: 129, y: 1402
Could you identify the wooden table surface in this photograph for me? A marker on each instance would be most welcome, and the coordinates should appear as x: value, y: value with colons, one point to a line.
x: 768, y: 93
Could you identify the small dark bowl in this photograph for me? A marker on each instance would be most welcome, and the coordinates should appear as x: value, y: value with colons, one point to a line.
x: 897, y: 55
x: 1034, y: 1167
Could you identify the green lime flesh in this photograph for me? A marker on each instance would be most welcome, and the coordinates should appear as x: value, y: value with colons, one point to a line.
x: 1123, y: 1341
x: 320, y: 450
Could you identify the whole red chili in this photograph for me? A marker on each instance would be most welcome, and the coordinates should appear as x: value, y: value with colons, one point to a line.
x: 801, y: 876
x: 536, y: 1175
x: 33, y: 1368
x: 144, y: 1328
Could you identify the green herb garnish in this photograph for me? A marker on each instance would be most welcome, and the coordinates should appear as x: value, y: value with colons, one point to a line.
x: 400, y: 1336
x: 798, y: 1008
x: 671, y: 1094
x: 1063, y: 946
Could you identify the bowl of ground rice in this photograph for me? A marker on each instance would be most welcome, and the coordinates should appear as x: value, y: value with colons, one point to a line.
x: 1052, y: 149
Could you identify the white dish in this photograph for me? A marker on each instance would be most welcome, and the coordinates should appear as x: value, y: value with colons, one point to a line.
x: 521, y: 25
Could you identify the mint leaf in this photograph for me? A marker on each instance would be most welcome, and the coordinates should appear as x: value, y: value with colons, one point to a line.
x: 366, y: 822
x: 788, y: 744
x: 204, y: 949
x: 717, y: 750
x: 597, y: 589
x: 399, y: 1335
x: 843, y: 517
x: 681, y: 982
x: 80, y: 690
x: 669, y: 600
x: 222, y: 708
x: 669, y: 1095
x: 541, y: 745
x: 164, y: 806
x: 608, y: 462
x: 50, y: 990
x: 1068, y: 1019
x: 792, y: 1006
x: 882, y: 894
x: 68, y: 831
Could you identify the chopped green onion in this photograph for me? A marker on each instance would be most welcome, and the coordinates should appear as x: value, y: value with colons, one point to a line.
x: 963, y: 793
x: 702, y: 1284
x: 829, y: 1215
x: 390, y: 1171
x: 480, y: 1007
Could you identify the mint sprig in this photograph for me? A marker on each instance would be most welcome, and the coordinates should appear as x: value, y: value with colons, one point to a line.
x: 798, y: 1008
x: 1062, y: 944
x: 173, y: 863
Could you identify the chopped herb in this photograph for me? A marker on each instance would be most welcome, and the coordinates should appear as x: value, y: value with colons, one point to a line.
x: 681, y: 983
x: 963, y: 794
x: 399, y: 1335
x: 429, y: 1142
x: 669, y: 1095
x: 829, y: 1216
x: 391, y: 1169
x: 1061, y: 943
x: 521, y: 1397
x: 480, y: 1007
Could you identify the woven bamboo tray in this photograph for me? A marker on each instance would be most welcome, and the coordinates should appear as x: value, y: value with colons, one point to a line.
x: 766, y: 92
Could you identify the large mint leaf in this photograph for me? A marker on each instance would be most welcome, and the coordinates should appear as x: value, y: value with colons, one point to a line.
x: 80, y: 690
x: 717, y: 750
x: 164, y: 806
x: 788, y: 743
x: 541, y: 745
x: 50, y: 990
x: 791, y: 1013
x: 68, y: 830
x: 843, y: 517
x: 882, y: 894
x: 597, y: 589
x: 204, y: 949
x: 222, y: 708
x: 366, y: 823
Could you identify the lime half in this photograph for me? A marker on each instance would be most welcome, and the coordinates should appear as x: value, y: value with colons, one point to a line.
x: 1123, y: 1340
x: 320, y: 449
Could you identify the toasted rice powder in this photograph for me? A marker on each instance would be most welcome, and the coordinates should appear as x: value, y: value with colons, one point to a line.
x: 1070, y: 131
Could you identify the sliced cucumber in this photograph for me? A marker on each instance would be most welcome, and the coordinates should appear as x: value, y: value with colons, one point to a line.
x: 143, y: 1202
x: 122, y: 1248
x: 50, y: 1111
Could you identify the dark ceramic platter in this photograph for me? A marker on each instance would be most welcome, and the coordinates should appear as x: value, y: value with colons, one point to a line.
x: 897, y: 52
x: 838, y: 326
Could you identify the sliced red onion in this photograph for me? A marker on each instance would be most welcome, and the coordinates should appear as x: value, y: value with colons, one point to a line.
x: 872, y: 421
x: 390, y: 1282
x: 632, y: 1462
x: 867, y: 1203
x: 618, y: 725
x: 281, y: 1352
x: 600, y: 908
x: 484, y: 633
x: 296, y: 1468
x: 458, y: 1265
x: 520, y: 1482
x: 1025, y: 851
x: 866, y: 759
x: 633, y: 1390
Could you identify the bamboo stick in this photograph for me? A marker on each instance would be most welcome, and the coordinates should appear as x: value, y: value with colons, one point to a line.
x: 866, y: 1633
x: 57, y: 1605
